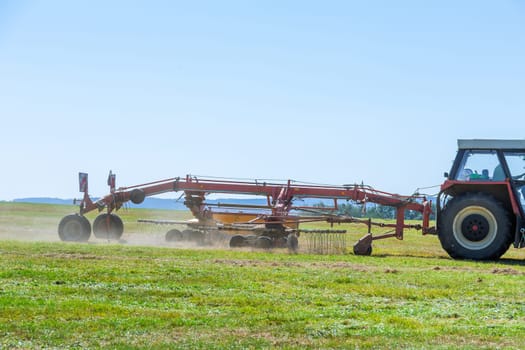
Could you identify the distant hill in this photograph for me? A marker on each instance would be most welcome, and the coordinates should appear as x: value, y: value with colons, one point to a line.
x: 149, y: 203
x: 173, y: 204
x: 44, y: 200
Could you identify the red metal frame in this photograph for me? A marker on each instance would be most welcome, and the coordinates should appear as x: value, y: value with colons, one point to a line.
x: 482, y: 186
x: 279, y: 196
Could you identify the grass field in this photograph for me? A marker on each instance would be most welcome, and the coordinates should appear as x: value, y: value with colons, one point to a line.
x: 139, y: 294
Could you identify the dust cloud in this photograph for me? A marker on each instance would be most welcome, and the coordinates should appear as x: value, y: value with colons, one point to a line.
x: 141, y: 237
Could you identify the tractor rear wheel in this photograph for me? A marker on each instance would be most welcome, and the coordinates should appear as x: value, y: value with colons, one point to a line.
x: 108, y: 226
x: 74, y: 228
x: 475, y: 226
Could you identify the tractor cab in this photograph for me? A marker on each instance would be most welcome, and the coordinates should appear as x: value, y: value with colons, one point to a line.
x: 481, y: 205
x: 490, y: 161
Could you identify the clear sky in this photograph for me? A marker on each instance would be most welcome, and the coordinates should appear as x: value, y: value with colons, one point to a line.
x: 321, y: 91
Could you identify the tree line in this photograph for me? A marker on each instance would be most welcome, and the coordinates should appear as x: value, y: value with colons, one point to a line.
x: 375, y: 211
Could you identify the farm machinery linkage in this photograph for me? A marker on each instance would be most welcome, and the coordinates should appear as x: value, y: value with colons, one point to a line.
x: 274, y: 224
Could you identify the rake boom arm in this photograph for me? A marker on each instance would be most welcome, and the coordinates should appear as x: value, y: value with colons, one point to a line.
x: 280, y: 196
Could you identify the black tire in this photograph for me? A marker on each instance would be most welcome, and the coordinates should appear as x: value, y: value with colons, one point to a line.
x: 263, y: 242
x: 367, y: 252
x: 108, y: 226
x: 196, y: 237
x: 74, y: 228
x: 475, y: 226
x: 173, y: 235
x: 186, y: 234
x: 237, y: 241
x: 292, y: 242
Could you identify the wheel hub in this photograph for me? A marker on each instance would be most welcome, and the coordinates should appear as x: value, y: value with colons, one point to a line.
x: 475, y: 227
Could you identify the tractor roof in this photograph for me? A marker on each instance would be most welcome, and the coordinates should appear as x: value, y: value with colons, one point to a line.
x: 492, y: 144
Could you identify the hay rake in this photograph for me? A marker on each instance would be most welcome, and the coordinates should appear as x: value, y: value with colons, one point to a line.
x: 274, y: 224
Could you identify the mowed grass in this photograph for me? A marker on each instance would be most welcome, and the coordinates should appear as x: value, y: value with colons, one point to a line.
x: 408, y: 294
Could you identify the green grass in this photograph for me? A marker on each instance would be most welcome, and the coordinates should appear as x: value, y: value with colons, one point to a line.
x: 408, y: 294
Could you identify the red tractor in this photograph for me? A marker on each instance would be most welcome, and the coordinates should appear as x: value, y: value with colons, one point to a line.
x: 480, y: 207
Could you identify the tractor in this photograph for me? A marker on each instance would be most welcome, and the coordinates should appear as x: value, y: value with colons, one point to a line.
x: 481, y: 204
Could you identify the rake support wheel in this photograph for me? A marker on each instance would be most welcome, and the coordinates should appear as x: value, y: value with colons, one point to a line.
x: 237, y: 241
x: 74, y: 228
x: 263, y: 242
x: 108, y: 226
x: 173, y: 235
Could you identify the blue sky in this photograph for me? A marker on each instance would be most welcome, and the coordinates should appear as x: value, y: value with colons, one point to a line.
x: 321, y: 91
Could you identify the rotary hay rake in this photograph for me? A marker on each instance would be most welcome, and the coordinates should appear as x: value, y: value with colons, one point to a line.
x: 274, y: 224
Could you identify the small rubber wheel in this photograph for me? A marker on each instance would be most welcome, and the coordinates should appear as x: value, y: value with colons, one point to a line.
x: 74, y: 228
x: 263, y: 242
x: 366, y: 252
x: 173, y: 235
x: 108, y: 226
x: 237, y: 241
x: 196, y: 237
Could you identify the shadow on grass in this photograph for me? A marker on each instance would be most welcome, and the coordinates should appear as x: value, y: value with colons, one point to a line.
x: 511, y: 262
x: 505, y: 261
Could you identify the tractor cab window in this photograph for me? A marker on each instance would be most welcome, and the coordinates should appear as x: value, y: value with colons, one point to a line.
x: 478, y: 166
x: 516, y: 163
